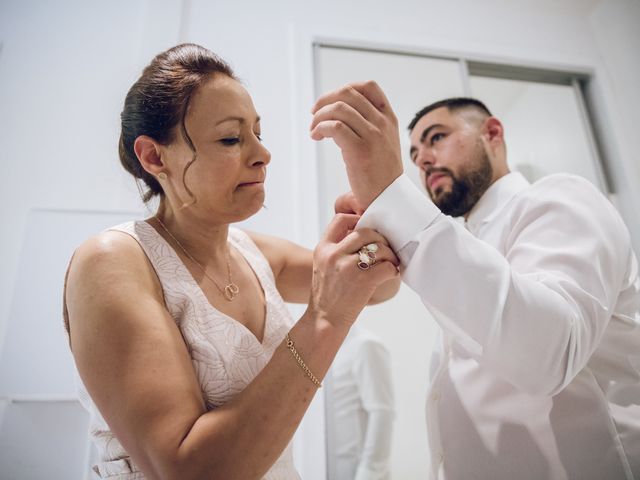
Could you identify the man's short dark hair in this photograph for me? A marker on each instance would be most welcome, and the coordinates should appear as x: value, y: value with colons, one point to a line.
x: 453, y: 104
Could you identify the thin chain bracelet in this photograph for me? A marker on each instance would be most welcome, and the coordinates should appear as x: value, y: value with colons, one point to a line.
x: 298, y: 358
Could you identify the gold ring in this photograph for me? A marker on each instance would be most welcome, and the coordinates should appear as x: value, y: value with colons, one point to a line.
x: 367, y: 256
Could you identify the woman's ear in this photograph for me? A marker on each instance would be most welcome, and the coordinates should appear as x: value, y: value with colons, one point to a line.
x: 148, y: 152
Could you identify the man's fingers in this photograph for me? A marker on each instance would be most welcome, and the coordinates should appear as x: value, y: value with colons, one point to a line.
x: 351, y: 95
x: 341, y: 133
x: 372, y: 92
x: 342, y: 112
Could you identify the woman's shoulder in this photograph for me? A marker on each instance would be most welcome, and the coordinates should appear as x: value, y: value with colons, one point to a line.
x: 108, y: 262
x: 109, y: 247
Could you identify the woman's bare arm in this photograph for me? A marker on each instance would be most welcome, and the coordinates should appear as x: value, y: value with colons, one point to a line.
x: 136, y: 366
x: 292, y: 267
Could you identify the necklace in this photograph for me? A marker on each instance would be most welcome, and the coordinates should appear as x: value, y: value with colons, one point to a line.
x: 230, y: 290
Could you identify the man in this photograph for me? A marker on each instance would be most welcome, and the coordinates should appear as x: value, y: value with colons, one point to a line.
x: 537, y: 295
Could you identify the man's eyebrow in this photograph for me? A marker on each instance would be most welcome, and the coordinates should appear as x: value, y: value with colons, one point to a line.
x: 427, y: 130
x: 237, y: 119
x: 423, y: 136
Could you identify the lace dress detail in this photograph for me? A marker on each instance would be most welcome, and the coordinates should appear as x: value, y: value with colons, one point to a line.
x: 225, y: 354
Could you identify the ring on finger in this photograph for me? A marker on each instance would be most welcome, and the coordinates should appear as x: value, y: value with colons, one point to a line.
x: 364, y: 265
x: 370, y: 250
x: 367, y: 256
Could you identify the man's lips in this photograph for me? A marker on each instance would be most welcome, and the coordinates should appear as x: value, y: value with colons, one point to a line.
x: 434, y: 178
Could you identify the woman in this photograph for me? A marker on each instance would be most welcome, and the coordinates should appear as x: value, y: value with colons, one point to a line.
x: 191, y: 363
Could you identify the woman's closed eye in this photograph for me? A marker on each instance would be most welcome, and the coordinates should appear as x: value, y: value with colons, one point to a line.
x: 230, y: 141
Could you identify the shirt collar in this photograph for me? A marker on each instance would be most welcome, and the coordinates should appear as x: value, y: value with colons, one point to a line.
x: 497, y: 196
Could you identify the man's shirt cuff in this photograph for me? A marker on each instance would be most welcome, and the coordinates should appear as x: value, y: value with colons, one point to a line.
x: 399, y: 213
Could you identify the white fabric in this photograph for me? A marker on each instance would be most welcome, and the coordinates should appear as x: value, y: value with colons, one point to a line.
x: 538, y: 372
x: 225, y: 354
x: 360, y: 409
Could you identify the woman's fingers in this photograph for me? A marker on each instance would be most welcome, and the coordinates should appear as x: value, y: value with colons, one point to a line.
x: 348, y: 203
x: 370, y: 243
x: 382, y: 253
x: 382, y: 272
x: 357, y: 238
x: 340, y: 288
x: 340, y: 226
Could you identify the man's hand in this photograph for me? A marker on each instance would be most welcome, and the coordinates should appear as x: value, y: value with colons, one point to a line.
x: 360, y: 120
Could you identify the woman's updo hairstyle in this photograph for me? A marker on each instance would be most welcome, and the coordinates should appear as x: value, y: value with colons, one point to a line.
x: 158, y: 102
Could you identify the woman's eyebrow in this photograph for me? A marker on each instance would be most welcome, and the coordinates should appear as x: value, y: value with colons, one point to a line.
x: 237, y: 119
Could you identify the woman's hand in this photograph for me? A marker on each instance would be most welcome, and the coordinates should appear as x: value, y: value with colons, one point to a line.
x: 348, y: 203
x: 340, y: 289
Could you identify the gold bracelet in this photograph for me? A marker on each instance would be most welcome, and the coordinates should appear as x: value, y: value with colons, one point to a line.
x: 298, y: 358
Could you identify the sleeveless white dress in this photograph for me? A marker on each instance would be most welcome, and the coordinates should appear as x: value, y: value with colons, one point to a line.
x: 225, y: 354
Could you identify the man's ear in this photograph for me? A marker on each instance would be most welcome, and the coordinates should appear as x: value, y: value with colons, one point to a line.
x: 493, y: 131
x: 148, y: 152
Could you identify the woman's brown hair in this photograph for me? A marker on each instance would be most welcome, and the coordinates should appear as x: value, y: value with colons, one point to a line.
x: 157, y: 103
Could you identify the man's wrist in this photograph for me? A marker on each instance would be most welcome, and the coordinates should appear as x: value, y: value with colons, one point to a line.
x: 399, y: 212
x: 380, y: 189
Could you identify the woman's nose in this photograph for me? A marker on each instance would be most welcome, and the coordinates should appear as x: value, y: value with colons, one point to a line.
x: 261, y: 156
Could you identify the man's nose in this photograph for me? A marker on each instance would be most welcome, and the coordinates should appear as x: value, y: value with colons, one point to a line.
x: 424, y: 158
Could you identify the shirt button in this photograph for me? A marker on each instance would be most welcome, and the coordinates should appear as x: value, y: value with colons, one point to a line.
x: 435, y: 396
x: 440, y: 458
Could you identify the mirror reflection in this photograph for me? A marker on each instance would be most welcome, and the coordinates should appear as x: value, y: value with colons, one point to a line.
x: 360, y: 387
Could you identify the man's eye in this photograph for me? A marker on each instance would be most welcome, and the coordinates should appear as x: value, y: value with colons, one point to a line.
x: 258, y: 136
x: 230, y: 141
x: 437, y: 137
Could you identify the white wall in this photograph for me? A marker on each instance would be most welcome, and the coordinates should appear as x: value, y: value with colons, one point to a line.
x: 539, y: 144
x: 65, y: 67
x: 615, y: 25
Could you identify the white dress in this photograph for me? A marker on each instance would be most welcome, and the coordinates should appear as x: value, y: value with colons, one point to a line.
x: 225, y: 354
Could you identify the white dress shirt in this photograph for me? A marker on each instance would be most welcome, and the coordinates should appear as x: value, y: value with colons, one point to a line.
x: 360, y: 410
x: 538, y: 299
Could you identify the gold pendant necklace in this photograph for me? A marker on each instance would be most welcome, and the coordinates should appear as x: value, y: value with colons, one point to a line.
x: 230, y: 290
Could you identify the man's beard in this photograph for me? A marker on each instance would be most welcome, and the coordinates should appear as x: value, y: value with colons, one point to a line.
x: 466, y: 188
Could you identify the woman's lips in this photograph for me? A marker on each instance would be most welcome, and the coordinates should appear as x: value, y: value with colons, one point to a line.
x: 250, y: 184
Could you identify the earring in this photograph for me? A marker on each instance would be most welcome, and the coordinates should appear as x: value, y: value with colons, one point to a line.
x: 162, y: 176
